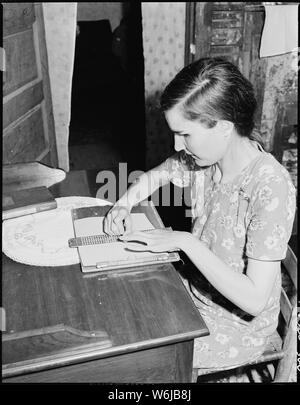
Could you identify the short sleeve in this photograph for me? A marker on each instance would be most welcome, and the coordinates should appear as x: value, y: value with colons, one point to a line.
x: 272, y: 214
x: 178, y: 170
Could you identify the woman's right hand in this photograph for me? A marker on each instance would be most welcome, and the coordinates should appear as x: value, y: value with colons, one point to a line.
x: 118, y: 220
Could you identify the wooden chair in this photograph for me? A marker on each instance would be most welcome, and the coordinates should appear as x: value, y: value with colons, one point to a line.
x: 32, y: 174
x: 282, y: 348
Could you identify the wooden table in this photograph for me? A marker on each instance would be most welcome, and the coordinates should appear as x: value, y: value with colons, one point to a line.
x: 66, y: 326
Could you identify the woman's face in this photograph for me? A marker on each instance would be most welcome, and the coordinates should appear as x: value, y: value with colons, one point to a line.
x: 206, y: 145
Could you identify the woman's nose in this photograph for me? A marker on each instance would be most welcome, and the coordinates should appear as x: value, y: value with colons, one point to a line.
x: 178, y: 143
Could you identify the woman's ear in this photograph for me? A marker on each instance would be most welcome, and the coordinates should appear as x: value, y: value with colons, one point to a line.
x: 225, y: 127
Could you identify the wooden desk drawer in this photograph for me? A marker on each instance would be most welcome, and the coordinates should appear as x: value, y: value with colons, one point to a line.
x: 171, y: 363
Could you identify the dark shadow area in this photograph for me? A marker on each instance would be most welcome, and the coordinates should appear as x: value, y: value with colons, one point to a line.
x: 108, y: 91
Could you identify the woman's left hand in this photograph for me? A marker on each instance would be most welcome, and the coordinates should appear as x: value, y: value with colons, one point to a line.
x: 158, y: 240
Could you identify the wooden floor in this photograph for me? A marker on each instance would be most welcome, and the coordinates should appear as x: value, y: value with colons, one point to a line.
x: 93, y: 147
x: 99, y: 155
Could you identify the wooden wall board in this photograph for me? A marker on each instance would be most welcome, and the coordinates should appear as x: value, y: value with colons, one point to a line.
x: 25, y: 141
x: 26, y: 87
x: 233, y: 31
x: 254, y: 67
x: 226, y: 36
x: 224, y: 5
x: 20, y: 61
x: 17, y: 106
x: 231, y: 52
x: 47, y: 159
x: 202, y: 29
x: 17, y: 17
x: 231, y: 19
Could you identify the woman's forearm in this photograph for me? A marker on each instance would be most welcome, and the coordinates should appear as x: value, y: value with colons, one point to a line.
x: 236, y: 287
x: 143, y: 187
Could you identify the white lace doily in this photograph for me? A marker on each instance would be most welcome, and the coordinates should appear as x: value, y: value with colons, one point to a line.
x: 41, y: 239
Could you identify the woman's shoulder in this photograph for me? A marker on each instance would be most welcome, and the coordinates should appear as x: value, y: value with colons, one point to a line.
x: 268, y: 164
x: 269, y: 171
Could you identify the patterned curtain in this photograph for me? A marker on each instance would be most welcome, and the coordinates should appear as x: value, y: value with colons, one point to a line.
x: 163, y: 40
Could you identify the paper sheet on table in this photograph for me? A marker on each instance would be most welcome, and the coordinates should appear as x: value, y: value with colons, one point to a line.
x: 280, y: 32
x: 109, y: 252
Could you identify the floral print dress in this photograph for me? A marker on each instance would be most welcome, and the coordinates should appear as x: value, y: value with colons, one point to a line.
x: 250, y: 217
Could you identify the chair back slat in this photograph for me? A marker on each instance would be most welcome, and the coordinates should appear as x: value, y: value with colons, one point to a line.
x: 287, y: 302
x: 288, y: 308
x: 295, y: 223
x: 287, y: 370
x: 285, y: 307
x: 290, y: 265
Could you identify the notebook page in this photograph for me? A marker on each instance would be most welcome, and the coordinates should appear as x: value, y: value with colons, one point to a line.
x: 109, y: 252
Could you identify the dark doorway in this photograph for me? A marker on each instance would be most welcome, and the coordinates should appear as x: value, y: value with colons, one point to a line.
x: 107, y: 110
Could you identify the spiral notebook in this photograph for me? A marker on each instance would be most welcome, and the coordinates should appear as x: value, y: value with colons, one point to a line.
x: 88, y: 222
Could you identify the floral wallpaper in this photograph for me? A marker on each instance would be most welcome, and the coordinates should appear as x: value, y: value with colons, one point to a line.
x: 60, y: 29
x: 163, y: 40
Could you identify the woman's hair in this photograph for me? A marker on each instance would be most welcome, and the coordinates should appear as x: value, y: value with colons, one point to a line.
x: 212, y: 89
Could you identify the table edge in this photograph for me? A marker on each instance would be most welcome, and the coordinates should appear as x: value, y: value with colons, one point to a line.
x: 49, y: 362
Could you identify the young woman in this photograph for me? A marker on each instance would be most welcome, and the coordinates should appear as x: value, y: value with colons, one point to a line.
x: 243, y: 210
